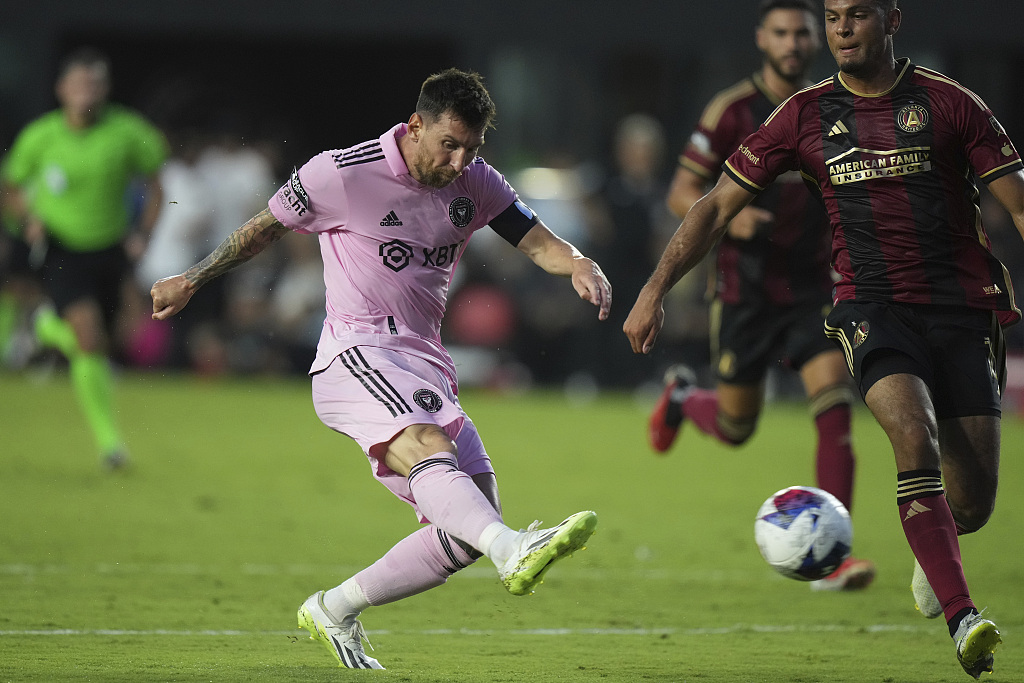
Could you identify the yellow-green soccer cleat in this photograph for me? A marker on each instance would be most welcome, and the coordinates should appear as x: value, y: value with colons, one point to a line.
x: 344, y: 641
x: 540, y: 548
x: 924, y: 597
x: 976, y: 640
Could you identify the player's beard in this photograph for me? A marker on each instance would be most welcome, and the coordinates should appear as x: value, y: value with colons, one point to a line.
x: 793, y: 75
x: 434, y: 177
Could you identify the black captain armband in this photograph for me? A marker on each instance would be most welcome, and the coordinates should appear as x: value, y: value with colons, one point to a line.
x: 514, y: 222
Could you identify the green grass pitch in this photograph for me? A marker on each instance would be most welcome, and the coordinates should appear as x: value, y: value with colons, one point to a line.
x: 190, y: 566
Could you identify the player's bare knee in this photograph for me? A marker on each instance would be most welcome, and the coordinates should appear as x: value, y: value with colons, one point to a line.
x: 915, y: 444
x: 840, y: 394
x: 735, y: 430
x: 971, y: 517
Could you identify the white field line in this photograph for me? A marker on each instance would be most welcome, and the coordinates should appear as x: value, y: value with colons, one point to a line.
x: 480, y: 571
x: 719, y: 631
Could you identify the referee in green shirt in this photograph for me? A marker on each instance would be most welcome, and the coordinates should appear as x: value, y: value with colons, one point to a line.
x: 66, y: 178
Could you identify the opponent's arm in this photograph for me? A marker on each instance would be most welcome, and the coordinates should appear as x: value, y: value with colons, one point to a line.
x: 687, y: 187
x: 703, y: 226
x: 172, y: 293
x: 558, y: 257
x: 1009, y: 191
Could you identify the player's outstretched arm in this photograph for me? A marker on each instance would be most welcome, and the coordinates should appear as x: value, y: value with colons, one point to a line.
x: 700, y: 230
x: 1009, y: 191
x: 172, y: 293
x: 558, y: 257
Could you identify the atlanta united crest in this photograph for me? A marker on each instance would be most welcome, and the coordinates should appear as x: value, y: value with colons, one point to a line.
x: 461, y: 211
x: 428, y: 400
x: 912, y: 118
x: 860, y: 334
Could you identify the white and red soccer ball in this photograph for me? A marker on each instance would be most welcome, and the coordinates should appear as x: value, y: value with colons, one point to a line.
x: 803, y: 532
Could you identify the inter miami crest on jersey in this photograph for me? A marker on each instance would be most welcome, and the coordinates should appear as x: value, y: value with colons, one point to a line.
x: 461, y: 211
x: 428, y: 400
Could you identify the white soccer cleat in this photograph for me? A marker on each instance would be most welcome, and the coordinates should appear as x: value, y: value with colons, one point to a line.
x: 344, y: 641
x: 539, y: 548
x: 976, y: 640
x: 924, y: 597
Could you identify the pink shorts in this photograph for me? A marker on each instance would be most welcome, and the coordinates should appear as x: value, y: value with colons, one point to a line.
x: 371, y: 394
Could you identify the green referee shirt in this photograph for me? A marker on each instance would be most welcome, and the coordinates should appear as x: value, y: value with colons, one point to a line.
x: 76, y: 181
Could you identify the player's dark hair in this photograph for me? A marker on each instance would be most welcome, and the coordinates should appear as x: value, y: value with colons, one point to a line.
x: 83, y: 56
x: 884, y: 5
x: 460, y: 93
x: 767, y: 6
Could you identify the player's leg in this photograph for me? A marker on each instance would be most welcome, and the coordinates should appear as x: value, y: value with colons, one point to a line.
x: 968, y: 407
x: 85, y: 289
x: 372, y: 393
x: 421, y: 561
x: 826, y: 381
x: 970, y: 468
x: 450, y: 499
x: 729, y: 412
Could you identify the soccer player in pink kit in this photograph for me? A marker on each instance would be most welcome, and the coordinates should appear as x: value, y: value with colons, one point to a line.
x: 893, y: 149
x: 393, y: 216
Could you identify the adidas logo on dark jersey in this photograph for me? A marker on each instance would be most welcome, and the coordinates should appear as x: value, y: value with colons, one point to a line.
x: 391, y: 219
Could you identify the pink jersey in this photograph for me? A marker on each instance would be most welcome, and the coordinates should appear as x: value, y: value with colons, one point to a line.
x: 389, y: 243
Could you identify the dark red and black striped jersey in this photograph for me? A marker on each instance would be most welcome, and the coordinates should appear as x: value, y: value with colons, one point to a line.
x: 787, y: 262
x: 896, y: 173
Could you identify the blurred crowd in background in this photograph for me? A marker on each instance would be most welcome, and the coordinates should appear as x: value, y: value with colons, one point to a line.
x: 508, y: 324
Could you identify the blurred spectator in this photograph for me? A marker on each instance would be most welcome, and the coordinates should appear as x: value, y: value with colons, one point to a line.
x: 630, y: 222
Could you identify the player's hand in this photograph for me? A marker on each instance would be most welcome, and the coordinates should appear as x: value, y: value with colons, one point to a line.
x: 748, y: 222
x: 644, y: 321
x: 591, y: 284
x: 170, y: 296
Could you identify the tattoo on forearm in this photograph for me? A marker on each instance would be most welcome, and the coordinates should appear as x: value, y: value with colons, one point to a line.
x: 240, y: 246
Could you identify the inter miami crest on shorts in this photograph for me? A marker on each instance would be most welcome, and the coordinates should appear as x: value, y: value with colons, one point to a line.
x: 428, y: 400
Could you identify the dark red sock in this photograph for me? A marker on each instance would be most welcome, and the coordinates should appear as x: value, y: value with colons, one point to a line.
x: 835, y: 463
x: 928, y: 525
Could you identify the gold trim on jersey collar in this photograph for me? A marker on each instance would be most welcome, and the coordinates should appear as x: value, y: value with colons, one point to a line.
x: 906, y: 66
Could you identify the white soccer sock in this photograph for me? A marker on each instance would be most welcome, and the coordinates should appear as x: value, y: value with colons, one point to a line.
x: 345, y: 602
x: 498, y: 542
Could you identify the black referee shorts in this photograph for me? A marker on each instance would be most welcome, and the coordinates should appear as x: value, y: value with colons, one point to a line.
x: 71, y: 276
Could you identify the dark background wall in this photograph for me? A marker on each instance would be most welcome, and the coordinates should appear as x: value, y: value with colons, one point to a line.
x: 315, y: 74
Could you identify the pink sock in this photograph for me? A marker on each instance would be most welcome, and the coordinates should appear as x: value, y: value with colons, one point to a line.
x: 423, y: 560
x: 835, y: 463
x: 450, y: 499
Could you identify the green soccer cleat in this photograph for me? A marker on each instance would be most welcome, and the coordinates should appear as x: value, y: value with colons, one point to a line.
x: 976, y: 640
x: 540, y: 548
x: 344, y: 641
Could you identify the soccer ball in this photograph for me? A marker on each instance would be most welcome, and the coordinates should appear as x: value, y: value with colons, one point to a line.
x: 803, y: 532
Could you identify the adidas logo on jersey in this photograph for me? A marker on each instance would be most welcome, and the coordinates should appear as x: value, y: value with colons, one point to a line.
x: 391, y: 219
x: 838, y: 129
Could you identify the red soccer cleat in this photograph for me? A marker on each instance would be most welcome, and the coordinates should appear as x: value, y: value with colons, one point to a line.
x: 663, y: 426
x: 851, y: 575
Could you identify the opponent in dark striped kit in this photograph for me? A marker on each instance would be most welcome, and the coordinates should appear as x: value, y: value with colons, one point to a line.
x: 893, y: 149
